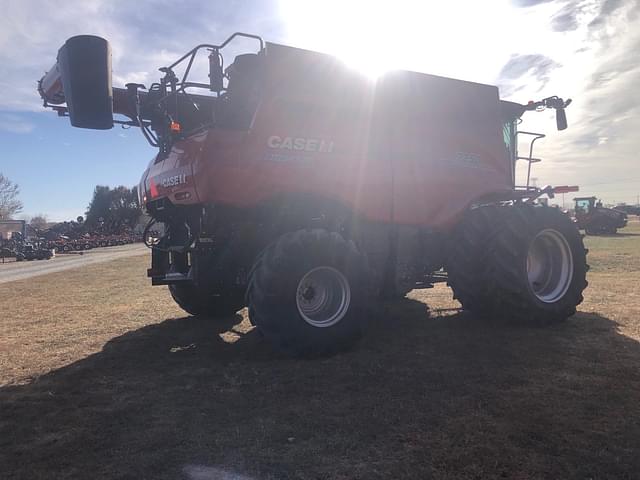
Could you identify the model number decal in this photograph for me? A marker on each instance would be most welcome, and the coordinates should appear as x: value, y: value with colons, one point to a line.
x: 300, y: 144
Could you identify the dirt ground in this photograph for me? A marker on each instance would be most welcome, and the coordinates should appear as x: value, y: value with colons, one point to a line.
x: 103, y: 377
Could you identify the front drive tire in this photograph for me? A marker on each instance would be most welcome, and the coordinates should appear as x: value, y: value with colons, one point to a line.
x: 537, y: 266
x: 307, y: 293
x: 196, y: 301
x: 532, y: 269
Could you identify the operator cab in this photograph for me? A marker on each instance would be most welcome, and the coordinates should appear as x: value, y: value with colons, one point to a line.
x: 584, y: 205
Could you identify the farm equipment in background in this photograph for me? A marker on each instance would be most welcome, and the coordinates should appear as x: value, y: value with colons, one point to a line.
x: 289, y: 183
x: 30, y: 251
x: 15, y: 244
x: 65, y: 244
x: 74, y: 236
x: 629, y: 209
x: 64, y: 237
x: 595, y: 219
x: 25, y: 251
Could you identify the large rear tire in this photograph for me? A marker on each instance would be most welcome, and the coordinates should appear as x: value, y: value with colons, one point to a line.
x: 307, y: 293
x: 197, y: 301
x: 531, y: 270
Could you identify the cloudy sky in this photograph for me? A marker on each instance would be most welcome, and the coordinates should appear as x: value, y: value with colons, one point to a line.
x: 588, y: 50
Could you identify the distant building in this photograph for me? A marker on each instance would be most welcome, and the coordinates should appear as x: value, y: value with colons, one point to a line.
x: 8, y: 228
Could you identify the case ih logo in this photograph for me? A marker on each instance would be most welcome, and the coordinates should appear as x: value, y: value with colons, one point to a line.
x: 166, y: 182
x: 300, y: 144
x: 174, y: 180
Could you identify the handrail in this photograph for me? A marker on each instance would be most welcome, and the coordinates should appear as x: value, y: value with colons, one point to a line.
x: 170, y: 86
x: 192, y: 53
x: 530, y: 158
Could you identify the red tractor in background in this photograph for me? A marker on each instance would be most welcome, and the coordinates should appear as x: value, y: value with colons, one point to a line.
x: 291, y: 184
x: 595, y: 219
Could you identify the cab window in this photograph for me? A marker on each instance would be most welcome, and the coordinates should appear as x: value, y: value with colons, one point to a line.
x: 509, y: 138
x: 582, y: 205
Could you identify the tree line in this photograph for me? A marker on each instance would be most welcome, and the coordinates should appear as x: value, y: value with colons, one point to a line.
x: 113, y: 209
x: 110, y: 209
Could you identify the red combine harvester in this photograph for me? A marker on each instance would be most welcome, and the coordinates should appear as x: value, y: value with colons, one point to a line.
x: 293, y: 185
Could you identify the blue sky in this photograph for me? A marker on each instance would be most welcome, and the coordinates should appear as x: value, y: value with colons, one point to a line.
x: 585, y: 49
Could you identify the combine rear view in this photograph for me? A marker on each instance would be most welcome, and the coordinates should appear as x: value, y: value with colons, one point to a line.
x: 293, y: 185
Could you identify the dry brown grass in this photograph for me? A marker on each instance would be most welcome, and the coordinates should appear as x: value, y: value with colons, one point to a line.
x: 105, y: 378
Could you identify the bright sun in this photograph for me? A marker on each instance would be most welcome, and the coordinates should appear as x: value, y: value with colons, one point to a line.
x: 351, y: 30
x: 446, y: 37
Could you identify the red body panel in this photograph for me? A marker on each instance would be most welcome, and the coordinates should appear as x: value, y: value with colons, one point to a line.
x: 407, y: 148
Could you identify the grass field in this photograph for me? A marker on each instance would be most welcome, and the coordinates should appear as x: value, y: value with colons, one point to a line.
x: 103, y: 377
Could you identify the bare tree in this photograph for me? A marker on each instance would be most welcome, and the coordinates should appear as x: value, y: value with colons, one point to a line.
x: 39, y: 222
x: 9, y: 203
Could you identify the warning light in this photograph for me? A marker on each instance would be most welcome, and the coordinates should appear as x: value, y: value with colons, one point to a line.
x: 153, y: 189
x: 174, y: 127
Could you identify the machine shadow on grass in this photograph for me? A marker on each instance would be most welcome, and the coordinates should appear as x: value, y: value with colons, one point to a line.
x: 421, y: 396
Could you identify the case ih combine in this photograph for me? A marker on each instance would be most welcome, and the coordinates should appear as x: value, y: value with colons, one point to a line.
x: 293, y: 185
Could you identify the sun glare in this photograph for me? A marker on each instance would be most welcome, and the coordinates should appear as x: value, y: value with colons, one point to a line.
x: 350, y: 30
x: 447, y: 38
